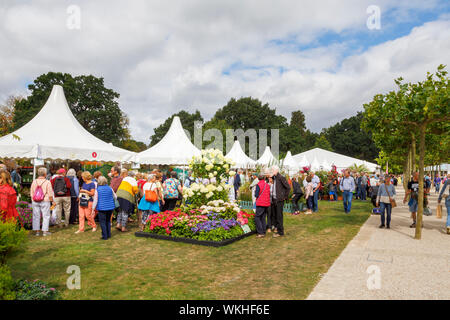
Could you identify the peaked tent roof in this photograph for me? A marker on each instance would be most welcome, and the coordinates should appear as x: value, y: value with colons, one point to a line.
x: 175, y: 148
x: 239, y: 157
x: 267, y: 158
x: 339, y: 160
x: 54, y: 133
x: 289, y: 163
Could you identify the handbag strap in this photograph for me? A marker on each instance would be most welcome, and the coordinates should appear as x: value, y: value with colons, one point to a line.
x: 389, y: 195
x: 261, y: 192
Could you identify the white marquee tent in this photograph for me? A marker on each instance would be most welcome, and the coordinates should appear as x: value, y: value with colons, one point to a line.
x: 239, y: 157
x: 175, y: 148
x: 54, y: 133
x: 290, y: 164
x: 318, y: 158
x: 267, y: 158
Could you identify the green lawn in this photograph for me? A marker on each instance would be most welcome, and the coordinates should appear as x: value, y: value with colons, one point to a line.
x: 127, y: 267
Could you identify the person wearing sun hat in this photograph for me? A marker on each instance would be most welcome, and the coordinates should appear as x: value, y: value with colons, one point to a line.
x: 61, y: 188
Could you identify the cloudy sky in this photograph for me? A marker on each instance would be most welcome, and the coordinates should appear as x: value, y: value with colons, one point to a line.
x: 167, y: 56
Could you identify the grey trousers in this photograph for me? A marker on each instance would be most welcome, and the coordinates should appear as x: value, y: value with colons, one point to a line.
x: 41, y: 209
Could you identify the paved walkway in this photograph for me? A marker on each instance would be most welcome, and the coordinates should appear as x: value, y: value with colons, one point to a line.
x: 408, y: 268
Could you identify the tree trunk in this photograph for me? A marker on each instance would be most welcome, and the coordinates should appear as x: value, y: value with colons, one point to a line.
x: 413, y: 150
x: 421, y: 177
x: 406, y: 170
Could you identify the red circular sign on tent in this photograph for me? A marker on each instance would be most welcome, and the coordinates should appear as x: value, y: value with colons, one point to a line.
x: 94, y: 154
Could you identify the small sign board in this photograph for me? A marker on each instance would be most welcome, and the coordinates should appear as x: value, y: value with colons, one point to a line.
x: 246, y: 228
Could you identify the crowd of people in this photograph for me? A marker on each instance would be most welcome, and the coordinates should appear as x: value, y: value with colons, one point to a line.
x: 77, y: 197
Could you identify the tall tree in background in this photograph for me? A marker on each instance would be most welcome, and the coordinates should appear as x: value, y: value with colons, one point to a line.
x: 187, y: 121
x: 347, y: 137
x: 7, y: 115
x: 92, y: 104
x: 295, y: 137
x: 323, y: 143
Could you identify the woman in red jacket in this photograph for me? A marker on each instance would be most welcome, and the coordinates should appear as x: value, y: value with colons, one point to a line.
x: 262, y: 196
x: 8, y: 198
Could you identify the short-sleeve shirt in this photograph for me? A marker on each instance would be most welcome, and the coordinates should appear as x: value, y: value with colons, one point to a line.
x: 414, y: 187
x: 171, y: 188
x: 89, y: 187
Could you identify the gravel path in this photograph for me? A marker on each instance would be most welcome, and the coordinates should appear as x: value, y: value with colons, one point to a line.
x: 408, y: 268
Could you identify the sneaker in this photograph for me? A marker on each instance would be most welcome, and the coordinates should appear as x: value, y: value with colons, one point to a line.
x: 388, y: 227
x: 381, y: 226
x: 94, y: 229
x: 37, y: 234
x: 413, y: 225
x: 47, y: 234
x: 269, y: 231
x: 276, y: 235
x: 260, y: 236
x: 79, y: 231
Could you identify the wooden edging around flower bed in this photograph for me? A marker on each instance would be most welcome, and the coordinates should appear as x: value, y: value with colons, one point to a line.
x: 193, y: 241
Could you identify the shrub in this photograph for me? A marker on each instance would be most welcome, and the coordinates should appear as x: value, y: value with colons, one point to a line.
x: 6, y: 284
x: 34, y: 290
x: 11, y: 237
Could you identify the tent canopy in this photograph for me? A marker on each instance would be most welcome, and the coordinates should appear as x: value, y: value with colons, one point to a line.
x: 239, y: 157
x: 290, y: 164
x: 175, y: 148
x: 267, y: 158
x: 317, y: 158
x: 54, y: 133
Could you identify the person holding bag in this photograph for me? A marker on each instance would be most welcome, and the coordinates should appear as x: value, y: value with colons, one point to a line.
x: 42, y: 196
x: 149, y: 203
x: 447, y: 200
x: 386, y: 201
x: 86, y: 203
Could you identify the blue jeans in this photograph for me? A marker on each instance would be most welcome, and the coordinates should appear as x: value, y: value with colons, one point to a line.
x: 388, y: 210
x: 105, y: 223
x: 447, y: 204
x: 316, y: 201
x: 347, y: 197
x: 362, y: 192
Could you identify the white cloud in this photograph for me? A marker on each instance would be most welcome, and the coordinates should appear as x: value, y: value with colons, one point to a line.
x: 163, y: 57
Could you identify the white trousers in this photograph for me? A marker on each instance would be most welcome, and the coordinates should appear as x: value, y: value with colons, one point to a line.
x: 41, y: 208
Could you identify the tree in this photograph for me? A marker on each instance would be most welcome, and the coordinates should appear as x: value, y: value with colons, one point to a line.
x: 187, y: 121
x: 298, y: 120
x: 323, y: 143
x: 133, y: 145
x: 347, y: 137
x: 420, y: 108
x: 7, y: 115
x: 92, y: 104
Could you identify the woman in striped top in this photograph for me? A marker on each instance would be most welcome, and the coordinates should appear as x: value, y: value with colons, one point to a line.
x: 126, y: 195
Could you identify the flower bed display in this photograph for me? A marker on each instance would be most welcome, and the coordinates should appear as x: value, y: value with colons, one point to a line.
x: 25, y: 214
x: 206, y: 217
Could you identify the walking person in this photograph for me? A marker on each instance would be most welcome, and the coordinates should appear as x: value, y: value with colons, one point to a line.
x: 41, y: 193
x: 237, y: 183
x: 280, y: 193
x: 61, y: 188
x: 413, y: 192
x: 447, y: 200
x: 74, y: 194
x: 347, y: 187
x: 105, y: 206
x: 172, y: 189
x: 309, y: 194
x: 363, y: 182
x: 86, y: 206
x: 297, y: 194
x: 316, y: 185
x: 146, y: 206
x: 437, y: 183
x: 255, y: 181
x: 386, y: 192
x: 126, y: 196
x: 262, y: 195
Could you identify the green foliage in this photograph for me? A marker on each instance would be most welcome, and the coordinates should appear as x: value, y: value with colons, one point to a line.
x: 6, y: 284
x: 187, y: 121
x: 323, y: 143
x: 34, y: 290
x: 92, y: 104
x: 347, y: 137
x: 11, y: 238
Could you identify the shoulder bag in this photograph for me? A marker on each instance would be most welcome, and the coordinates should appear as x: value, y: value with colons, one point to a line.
x: 391, y: 200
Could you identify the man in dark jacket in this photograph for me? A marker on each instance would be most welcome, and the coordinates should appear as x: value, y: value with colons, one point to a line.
x: 280, y: 193
x: 237, y: 183
x: 297, y: 194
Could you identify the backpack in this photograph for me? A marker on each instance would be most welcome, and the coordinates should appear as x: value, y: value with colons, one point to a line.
x: 60, y: 186
x: 39, y: 195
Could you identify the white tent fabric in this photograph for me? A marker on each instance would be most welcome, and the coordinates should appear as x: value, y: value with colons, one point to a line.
x: 325, y: 166
x: 239, y: 157
x: 54, y: 133
x: 332, y: 158
x: 303, y: 162
x: 315, y: 166
x: 267, y: 158
x: 175, y: 148
x: 290, y: 164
